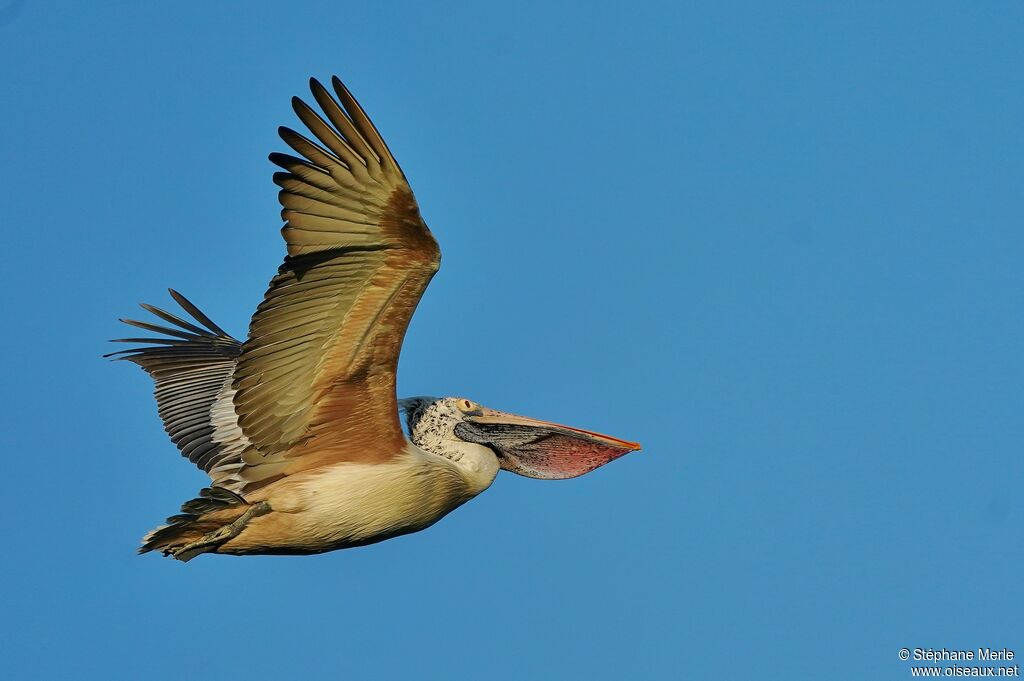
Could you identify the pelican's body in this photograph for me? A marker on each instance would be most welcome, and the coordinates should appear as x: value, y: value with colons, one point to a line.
x: 353, y: 504
x: 298, y: 428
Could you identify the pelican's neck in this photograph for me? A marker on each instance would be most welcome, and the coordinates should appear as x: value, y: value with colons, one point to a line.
x: 477, y: 464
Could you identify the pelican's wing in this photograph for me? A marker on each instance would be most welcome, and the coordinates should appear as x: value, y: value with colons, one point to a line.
x: 315, y: 382
x: 191, y: 365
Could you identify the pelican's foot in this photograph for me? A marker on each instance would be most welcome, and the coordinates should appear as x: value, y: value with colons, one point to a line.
x: 222, y: 534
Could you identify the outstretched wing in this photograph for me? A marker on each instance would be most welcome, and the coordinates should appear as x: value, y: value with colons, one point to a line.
x: 315, y: 382
x: 191, y: 366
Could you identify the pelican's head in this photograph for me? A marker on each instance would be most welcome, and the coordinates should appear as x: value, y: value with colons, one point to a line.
x: 536, y: 449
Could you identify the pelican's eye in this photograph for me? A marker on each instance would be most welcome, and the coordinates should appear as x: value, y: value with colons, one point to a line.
x: 468, y: 407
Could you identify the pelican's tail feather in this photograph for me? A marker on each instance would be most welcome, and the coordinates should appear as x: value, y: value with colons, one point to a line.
x: 203, y: 524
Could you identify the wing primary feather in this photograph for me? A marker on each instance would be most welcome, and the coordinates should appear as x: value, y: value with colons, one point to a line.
x: 156, y: 328
x: 162, y: 341
x: 344, y: 123
x: 292, y: 163
x: 197, y: 314
x: 329, y: 136
x: 310, y: 149
x: 168, y: 317
x: 363, y: 122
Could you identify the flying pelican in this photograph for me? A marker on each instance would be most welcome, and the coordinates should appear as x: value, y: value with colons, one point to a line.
x: 298, y: 427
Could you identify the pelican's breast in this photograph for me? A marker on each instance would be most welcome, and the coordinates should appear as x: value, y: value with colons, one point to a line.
x: 351, y: 504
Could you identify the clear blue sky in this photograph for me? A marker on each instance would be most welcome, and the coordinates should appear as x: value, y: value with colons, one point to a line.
x: 779, y: 244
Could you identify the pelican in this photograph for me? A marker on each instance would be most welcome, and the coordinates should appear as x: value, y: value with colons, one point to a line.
x: 299, y: 427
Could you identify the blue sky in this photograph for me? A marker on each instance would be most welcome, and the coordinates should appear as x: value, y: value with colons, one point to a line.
x: 779, y: 244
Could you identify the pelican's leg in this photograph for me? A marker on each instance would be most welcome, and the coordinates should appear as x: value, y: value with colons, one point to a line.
x: 221, y: 534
